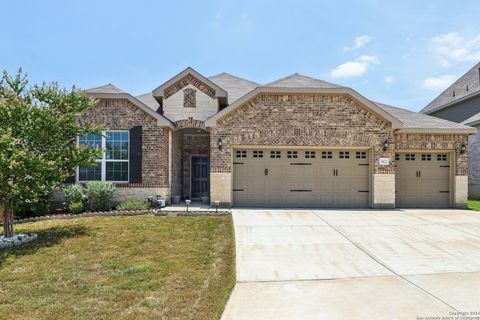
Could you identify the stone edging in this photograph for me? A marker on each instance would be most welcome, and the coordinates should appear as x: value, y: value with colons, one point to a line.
x: 155, y: 212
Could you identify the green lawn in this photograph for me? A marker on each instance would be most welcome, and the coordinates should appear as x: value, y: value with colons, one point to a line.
x: 142, y: 267
x: 474, y: 205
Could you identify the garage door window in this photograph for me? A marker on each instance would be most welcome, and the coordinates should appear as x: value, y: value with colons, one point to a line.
x: 275, y: 154
x: 426, y: 157
x: 344, y: 155
x: 257, y: 154
x: 309, y: 154
x: 410, y: 157
x: 326, y: 154
x: 292, y: 154
x: 441, y: 157
x: 361, y: 155
x: 241, y: 154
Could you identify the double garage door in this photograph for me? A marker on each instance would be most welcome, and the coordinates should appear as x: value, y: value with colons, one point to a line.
x: 334, y: 178
x: 422, y: 180
x: 301, y: 178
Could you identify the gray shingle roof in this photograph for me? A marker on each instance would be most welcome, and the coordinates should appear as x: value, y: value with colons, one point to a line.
x: 473, y: 120
x: 415, y: 120
x: 236, y: 87
x: 149, y: 100
x: 301, y: 81
x: 108, y: 88
x: 470, y: 79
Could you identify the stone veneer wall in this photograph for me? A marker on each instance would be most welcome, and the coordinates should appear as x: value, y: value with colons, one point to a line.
x: 113, y: 114
x: 301, y: 120
x: 474, y: 166
x: 406, y: 141
x: 192, y: 145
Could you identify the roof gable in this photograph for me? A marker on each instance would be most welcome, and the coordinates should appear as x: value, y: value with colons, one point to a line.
x: 184, y: 78
x: 464, y: 88
x: 236, y: 87
x: 109, y: 91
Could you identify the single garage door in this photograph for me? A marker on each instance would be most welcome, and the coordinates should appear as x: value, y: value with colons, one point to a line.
x: 301, y: 178
x: 422, y: 180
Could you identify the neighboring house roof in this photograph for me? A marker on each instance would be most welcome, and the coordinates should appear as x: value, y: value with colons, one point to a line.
x: 109, y: 91
x: 236, y: 87
x: 418, y: 122
x: 471, y: 79
x: 473, y: 121
x: 297, y: 80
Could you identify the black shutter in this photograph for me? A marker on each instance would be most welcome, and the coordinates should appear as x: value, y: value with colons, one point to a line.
x: 136, y: 154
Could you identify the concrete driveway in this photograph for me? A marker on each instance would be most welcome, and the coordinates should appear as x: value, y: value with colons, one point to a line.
x: 355, y: 264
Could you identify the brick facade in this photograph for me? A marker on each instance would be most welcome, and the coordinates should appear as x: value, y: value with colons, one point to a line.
x: 436, y: 142
x: 112, y: 114
x: 185, y: 81
x: 301, y: 120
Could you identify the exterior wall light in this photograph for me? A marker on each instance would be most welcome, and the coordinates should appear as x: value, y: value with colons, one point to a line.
x: 385, y: 145
x: 463, y: 148
x: 220, y: 143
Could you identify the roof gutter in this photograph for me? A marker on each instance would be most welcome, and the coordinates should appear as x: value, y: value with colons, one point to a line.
x: 451, y: 103
x: 466, y: 130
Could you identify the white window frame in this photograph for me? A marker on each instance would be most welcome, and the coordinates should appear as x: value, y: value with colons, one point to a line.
x: 103, y: 161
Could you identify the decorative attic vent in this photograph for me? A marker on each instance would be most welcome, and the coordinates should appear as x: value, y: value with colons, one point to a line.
x: 189, y: 98
x: 454, y: 93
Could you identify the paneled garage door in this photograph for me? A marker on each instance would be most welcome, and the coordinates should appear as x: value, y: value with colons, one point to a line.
x: 301, y: 178
x: 422, y: 180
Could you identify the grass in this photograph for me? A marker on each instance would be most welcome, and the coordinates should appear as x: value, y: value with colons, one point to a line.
x: 474, y: 204
x: 140, y: 267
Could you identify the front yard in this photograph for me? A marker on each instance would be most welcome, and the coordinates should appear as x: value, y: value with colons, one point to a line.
x: 474, y: 204
x: 140, y: 267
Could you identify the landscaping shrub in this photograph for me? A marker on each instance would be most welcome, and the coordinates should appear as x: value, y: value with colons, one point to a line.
x: 74, y: 193
x: 36, y: 209
x: 76, y: 207
x: 134, y: 204
x: 100, y: 195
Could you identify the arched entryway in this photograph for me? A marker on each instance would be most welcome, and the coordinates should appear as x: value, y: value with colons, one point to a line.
x: 191, y: 163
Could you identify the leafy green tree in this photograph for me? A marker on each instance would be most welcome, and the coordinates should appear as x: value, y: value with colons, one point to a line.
x: 38, y: 150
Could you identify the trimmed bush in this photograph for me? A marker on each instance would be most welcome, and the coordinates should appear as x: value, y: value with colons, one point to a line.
x: 74, y: 193
x: 134, y: 204
x: 76, y: 207
x: 100, y: 195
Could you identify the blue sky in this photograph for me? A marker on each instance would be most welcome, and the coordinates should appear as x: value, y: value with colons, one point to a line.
x: 402, y: 53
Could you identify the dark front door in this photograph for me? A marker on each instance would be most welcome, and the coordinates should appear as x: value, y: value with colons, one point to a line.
x: 200, y: 176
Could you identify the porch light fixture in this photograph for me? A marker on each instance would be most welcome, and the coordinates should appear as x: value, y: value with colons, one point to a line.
x: 463, y: 148
x: 385, y: 145
x: 219, y: 143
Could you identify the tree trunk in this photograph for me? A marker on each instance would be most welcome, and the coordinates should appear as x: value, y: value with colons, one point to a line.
x: 7, y: 221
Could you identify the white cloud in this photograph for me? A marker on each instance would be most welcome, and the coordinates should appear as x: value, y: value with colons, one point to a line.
x: 389, y: 79
x: 354, y: 68
x: 451, y: 47
x: 359, y: 42
x: 438, y: 83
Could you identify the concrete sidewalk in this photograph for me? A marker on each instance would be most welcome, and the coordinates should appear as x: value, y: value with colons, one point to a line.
x: 355, y: 264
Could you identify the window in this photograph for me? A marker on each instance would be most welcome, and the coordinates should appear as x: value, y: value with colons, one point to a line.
x: 410, y: 157
x: 326, y: 154
x: 361, y: 155
x: 441, y: 157
x: 309, y: 154
x: 189, y: 98
x: 275, y: 154
x: 397, y: 157
x: 344, y: 154
x: 241, y: 153
x: 114, y: 163
x: 257, y: 153
x: 292, y: 154
x: 426, y: 157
